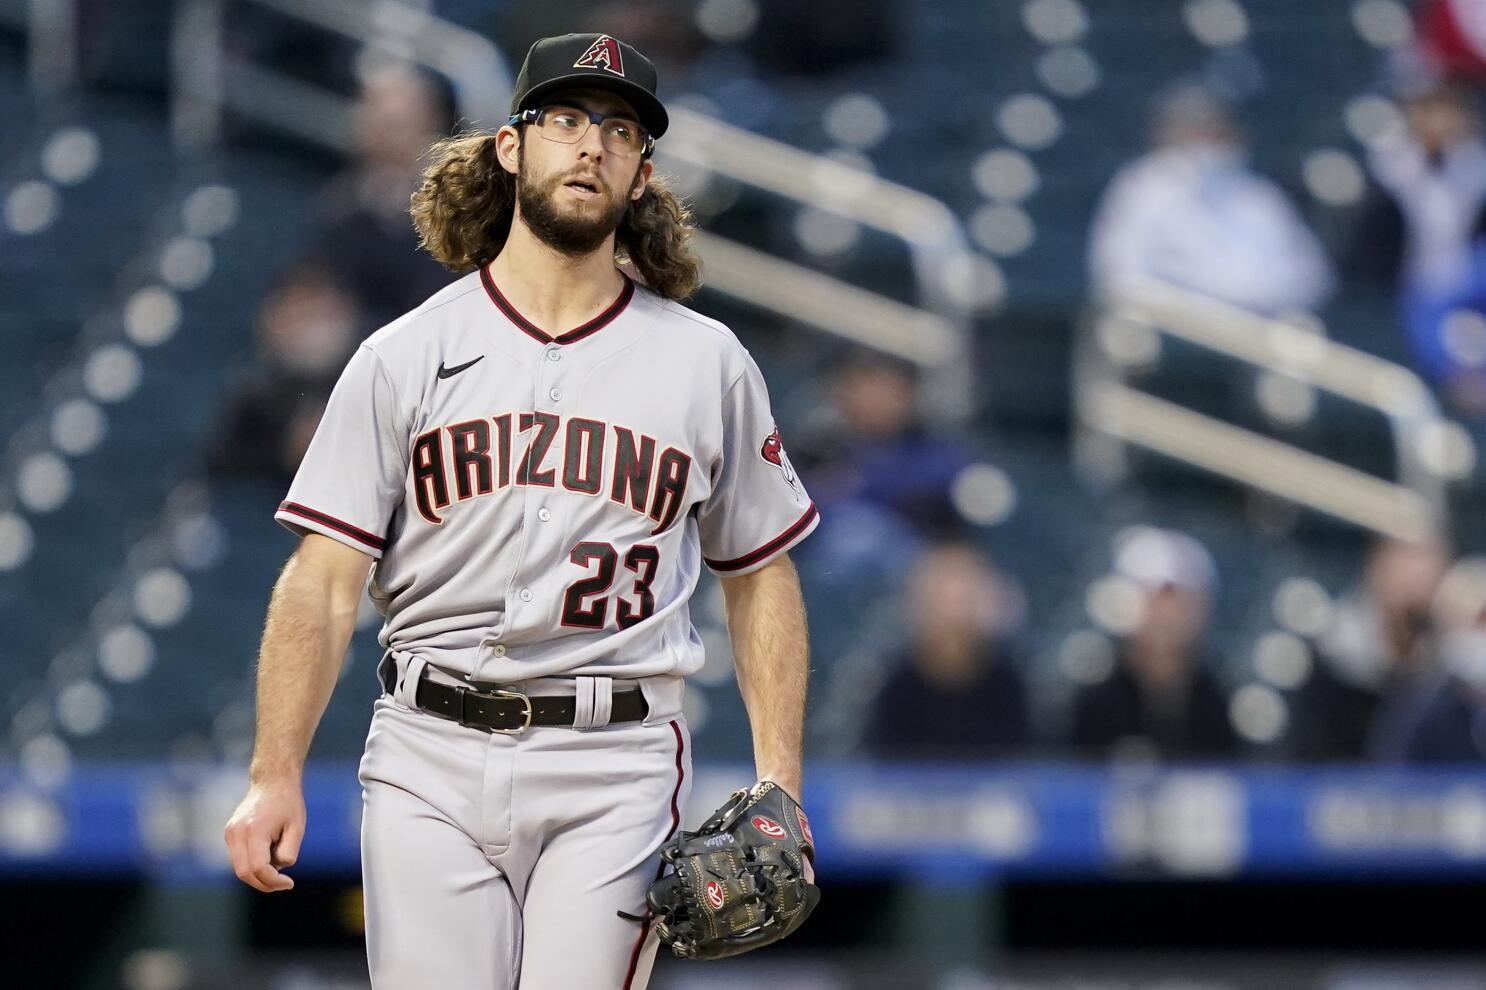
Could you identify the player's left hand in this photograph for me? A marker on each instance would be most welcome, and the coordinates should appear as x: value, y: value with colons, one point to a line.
x: 739, y: 882
x: 791, y: 786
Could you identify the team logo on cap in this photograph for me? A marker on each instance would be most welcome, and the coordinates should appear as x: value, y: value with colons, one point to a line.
x: 804, y: 825
x: 602, y: 54
x: 768, y: 826
x: 715, y: 896
x: 773, y: 452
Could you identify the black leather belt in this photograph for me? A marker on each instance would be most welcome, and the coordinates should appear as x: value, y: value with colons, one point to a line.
x: 511, y: 712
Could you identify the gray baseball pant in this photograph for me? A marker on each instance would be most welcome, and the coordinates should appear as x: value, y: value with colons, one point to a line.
x: 498, y: 862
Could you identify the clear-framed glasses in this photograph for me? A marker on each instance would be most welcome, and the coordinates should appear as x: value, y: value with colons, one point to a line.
x: 567, y: 125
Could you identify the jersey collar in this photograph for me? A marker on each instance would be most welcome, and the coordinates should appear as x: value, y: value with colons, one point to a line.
x: 577, y: 333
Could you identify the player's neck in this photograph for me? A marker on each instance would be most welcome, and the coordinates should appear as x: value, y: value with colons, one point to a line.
x: 555, y: 291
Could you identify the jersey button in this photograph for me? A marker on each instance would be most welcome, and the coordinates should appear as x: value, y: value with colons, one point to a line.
x: 526, y: 594
x: 544, y: 514
x: 555, y: 394
x: 553, y: 354
x: 500, y: 649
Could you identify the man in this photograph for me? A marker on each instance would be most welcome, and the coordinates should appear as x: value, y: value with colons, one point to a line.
x: 364, y: 237
x: 1161, y: 700
x: 1375, y: 659
x: 307, y: 328
x: 956, y: 692
x: 1447, y: 722
x: 1421, y: 232
x: 880, y: 454
x: 1193, y: 214
x: 536, y: 461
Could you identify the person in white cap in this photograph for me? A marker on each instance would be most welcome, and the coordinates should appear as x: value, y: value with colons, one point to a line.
x: 1161, y: 700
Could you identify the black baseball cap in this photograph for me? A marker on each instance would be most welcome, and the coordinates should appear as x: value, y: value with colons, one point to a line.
x: 596, y: 61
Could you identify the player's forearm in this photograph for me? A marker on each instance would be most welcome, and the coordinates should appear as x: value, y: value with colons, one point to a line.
x: 310, y: 622
x: 766, y: 622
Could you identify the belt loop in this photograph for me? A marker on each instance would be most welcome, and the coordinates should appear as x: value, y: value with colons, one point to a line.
x: 603, y: 700
x: 387, y: 672
x: 406, y: 693
x: 583, y: 703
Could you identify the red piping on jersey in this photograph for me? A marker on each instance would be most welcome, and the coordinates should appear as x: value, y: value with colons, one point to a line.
x: 344, y: 528
x: 676, y: 794
x: 634, y: 956
x: 768, y: 548
x: 577, y: 333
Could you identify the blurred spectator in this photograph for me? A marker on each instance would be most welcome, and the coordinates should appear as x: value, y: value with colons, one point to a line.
x: 1448, y: 725
x: 1161, y: 699
x: 1450, y: 35
x: 1425, y: 208
x: 366, y: 238
x: 1456, y: 327
x: 307, y: 329
x: 956, y: 692
x: 882, y: 480
x: 1374, y: 659
x: 1191, y: 213
x: 1427, y: 200
x: 880, y: 452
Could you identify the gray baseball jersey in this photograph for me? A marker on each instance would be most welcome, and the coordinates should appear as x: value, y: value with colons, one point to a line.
x: 541, y: 505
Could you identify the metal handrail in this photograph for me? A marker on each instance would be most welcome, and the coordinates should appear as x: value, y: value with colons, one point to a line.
x: 934, y: 236
x: 1112, y: 414
x: 936, y: 334
x: 828, y: 304
x: 200, y: 70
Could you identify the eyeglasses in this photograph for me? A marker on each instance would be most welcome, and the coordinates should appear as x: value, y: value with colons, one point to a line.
x: 567, y: 125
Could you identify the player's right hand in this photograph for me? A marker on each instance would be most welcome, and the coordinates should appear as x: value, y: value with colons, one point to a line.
x: 263, y: 835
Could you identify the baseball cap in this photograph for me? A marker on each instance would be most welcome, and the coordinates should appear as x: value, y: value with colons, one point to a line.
x: 1158, y: 558
x: 596, y: 61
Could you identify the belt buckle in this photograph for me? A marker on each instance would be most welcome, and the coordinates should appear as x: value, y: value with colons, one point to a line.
x: 498, y: 694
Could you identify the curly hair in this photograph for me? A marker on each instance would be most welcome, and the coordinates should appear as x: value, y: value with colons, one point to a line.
x: 463, y: 208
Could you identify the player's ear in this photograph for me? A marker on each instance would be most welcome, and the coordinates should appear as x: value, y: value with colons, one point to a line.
x: 508, y: 148
x: 642, y: 177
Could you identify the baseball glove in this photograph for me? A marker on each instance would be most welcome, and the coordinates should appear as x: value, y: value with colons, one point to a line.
x: 738, y: 882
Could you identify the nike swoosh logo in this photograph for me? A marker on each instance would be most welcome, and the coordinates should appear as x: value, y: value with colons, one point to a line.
x: 451, y: 372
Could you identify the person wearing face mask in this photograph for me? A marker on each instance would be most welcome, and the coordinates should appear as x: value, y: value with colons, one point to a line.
x: 1191, y: 213
x: 1374, y: 659
x: 1448, y: 725
x: 308, y: 326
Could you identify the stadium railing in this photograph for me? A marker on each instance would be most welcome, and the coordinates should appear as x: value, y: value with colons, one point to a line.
x: 1122, y: 334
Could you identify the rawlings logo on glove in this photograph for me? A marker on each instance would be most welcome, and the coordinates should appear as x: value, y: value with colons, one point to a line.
x: 738, y: 882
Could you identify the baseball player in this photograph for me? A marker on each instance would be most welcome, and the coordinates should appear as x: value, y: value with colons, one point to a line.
x: 532, y: 467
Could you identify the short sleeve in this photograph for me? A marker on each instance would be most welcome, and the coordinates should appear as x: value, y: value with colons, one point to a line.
x: 758, y: 507
x: 351, y: 479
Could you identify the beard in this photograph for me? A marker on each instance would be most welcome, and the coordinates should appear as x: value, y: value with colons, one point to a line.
x: 568, y: 232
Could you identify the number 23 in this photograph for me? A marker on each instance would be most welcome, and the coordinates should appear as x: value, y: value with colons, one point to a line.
x: 642, y: 558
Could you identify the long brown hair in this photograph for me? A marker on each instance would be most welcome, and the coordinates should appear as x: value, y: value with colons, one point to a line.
x: 464, y: 206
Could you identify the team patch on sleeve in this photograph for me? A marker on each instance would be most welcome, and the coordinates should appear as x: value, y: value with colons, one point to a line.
x: 772, y: 451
